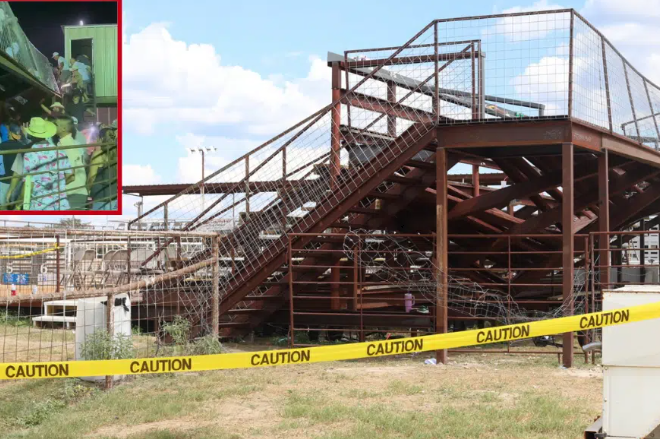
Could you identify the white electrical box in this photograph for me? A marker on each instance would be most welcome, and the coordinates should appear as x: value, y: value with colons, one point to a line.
x: 91, y: 316
x: 631, y: 367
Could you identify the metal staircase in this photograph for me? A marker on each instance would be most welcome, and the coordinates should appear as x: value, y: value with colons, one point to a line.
x: 353, y: 164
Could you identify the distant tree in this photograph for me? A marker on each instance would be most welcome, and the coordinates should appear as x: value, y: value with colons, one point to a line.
x: 71, y: 223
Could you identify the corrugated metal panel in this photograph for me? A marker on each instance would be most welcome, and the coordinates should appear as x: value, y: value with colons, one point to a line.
x: 104, y: 56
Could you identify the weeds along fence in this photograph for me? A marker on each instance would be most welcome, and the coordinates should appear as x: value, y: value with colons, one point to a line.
x: 57, y: 171
x: 54, y: 281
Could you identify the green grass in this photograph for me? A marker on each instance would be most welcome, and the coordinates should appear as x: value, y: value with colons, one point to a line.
x: 533, y: 416
x: 50, y: 408
x: 389, y: 398
x: 12, y: 319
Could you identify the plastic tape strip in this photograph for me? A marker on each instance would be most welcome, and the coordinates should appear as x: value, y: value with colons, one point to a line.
x: 351, y: 351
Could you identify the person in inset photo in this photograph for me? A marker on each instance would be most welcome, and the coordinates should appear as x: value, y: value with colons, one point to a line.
x: 102, y: 178
x: 15, y: 141
x: 76, y: 188
x: 44, y: 174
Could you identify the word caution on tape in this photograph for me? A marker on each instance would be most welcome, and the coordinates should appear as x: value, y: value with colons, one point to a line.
x: 329, y: 353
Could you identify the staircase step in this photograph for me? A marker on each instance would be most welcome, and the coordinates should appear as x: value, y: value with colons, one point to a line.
x: 366, y: 211
x: 421, y: 164
x: 384, y: 195
x: 403, y: 180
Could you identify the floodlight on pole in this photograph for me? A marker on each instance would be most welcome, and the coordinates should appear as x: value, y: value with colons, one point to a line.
x: 202, y: 150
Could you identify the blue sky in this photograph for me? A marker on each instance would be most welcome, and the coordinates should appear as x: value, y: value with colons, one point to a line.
x: 258, y: 34
x: 255, y: 67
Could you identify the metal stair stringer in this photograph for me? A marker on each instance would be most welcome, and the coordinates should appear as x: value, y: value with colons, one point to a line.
x: 331, y: 209
x: 274, y: 297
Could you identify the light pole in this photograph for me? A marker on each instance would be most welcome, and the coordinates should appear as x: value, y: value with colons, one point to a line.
x: 202, y: 150
x: 139, y: 205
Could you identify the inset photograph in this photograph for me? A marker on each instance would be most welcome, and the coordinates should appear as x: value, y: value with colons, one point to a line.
x: 59, y: 123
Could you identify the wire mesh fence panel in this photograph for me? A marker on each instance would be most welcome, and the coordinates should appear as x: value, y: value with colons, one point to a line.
x: 590, y: 88
x: 643, y: 114
x: 521, y: 63
x: 654, y: 103
x: 620, y: 96
x: 56, y: 286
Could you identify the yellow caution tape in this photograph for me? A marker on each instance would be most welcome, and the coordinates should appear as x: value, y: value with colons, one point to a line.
x: 352, y: 351
x: 27, y: 255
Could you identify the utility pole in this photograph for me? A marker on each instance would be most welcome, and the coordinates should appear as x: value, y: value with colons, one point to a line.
x: 202, y: 150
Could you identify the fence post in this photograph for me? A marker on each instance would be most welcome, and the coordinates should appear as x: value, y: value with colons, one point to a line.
x: 110, y: 323
x: 607, y: 85
x: 290, y: 280
x: 216, y: 287
x: 441, y: 326
x: 247, y: 188
x: 166, y: 216
x: 570, y: 67
x: 436, y: 90
x: 632, y: 103
x: 57, y: 264
x: 128, y: 260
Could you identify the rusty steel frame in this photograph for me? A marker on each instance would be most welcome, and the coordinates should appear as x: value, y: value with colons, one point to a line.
x: 354, y: 303
x: 511, y: 146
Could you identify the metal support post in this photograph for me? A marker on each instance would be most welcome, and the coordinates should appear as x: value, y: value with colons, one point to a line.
x: 568, y: 246
x: 441, y: 325
x: 604, y: 219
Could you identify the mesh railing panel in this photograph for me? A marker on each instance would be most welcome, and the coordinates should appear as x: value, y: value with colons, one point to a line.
x: 630, y: 94
x: 56, y: 280
x: 16, y: 45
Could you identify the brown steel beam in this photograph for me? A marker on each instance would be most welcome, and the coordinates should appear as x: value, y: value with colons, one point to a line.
x: 513, y: 171
x: 604, y: 214
x: 475, y: 180
x: 501, y: 197
x: 377, y: 105
x: 408, y: 60
x: 493, y: 178
x: 567, y: 246
x: 634, y: 151
x: 631, y: 207
x: 623, y: 182
x: 210, y: 188
x: 479, y: 135
x: 441, y: 324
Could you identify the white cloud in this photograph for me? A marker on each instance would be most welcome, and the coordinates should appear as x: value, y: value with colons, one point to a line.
x: 169, y: 81
x: 632, y: 28
x: 623, y: 10
x: 139, y: 174
x: 529, y: 27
